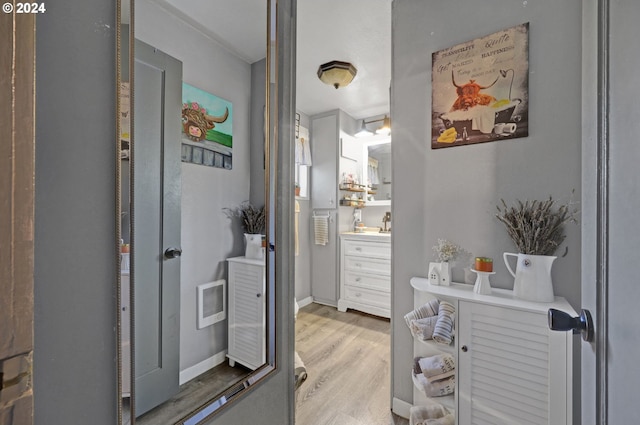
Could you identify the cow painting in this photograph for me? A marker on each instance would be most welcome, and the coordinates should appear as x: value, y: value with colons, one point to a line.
x: 469, y: 95
x: 196, y: 122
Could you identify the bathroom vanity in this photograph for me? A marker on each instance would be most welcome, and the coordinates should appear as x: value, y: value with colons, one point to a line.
x: 365, y: 273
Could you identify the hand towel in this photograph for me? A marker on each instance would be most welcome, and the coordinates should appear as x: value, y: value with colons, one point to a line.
x: 423, y: 328
x: 448, y: 419
x: 302, y: 148
x: 436, y: 388
x: 427, y: 310
x: 443, y: 331
x: 432, y: 389
x: 321, y: 229
x: 432, y: 414
x: 295, y: 228
x: 437, y: 367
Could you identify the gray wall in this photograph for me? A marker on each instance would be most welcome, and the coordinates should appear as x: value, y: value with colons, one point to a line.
x: 451, y: 193
x: 208, y: 237
x: 75, y: 244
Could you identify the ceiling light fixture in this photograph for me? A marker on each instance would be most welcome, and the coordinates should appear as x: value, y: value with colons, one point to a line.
x: 386, y: 126
x: 336, y: 73
x: 385, y: 129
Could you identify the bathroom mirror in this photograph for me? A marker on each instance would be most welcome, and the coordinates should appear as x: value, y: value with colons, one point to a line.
x: 196, y: 132
x: 377, y: 168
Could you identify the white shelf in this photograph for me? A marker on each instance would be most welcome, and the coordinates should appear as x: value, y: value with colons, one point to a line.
x: 437, y: 347
x: 498, y: 297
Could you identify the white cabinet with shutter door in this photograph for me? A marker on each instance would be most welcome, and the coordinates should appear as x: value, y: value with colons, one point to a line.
x: 365, y: 273
x: 510, y: 368
x: 246, y: 333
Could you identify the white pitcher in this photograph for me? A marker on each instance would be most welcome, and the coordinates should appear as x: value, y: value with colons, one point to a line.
x: 532, y: 277
x: 253, y: 246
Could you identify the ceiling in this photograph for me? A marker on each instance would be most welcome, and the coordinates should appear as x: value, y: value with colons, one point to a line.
x: 356, y: 31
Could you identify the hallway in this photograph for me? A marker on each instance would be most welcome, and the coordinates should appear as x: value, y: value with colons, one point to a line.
x: 347, y: 357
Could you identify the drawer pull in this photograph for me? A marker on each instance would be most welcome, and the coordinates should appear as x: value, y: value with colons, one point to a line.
x: 358, y: 248
x: 358, y: 294
x: 358, y: 265
x: 358, y: 279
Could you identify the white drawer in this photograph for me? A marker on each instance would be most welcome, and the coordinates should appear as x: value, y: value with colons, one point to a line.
x: 368, y: 296
x: 369, y: 265
x: 380, y: 283
x: 367, y: 249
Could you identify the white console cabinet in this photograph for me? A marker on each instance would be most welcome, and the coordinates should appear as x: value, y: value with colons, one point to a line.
x: 365, y: 273
x: 247, y: 336
x: 510, y: 368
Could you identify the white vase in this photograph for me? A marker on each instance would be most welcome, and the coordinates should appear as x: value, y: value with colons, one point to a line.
x: 532, y: 277
x: 253, y: 248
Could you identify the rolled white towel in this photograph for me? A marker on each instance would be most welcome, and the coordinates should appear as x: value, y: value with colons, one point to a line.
x: 443, y: 331
x: 432, y: 389
x: 427, y: 310
x: 448, y: 419
x: 437, y: 388
x: 425, y: 415
x: 423, y: 328
x: 437, y: 367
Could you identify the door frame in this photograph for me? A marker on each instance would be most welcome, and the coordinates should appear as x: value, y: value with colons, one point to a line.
x: 595, y: 211
x: 17, y: 188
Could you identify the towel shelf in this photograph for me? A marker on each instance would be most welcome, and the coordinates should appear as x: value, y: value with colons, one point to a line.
x: 501, y: 346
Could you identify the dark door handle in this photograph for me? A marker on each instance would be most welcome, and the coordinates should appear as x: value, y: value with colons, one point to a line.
x: 172, y: 252
x: 561, y: 321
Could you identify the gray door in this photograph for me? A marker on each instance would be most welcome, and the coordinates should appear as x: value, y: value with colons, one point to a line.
x: 611, y: 201
x: 156, y: 225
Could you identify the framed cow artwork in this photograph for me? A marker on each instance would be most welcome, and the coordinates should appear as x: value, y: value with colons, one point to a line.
x: 207, y: 128
x: 480, y: 89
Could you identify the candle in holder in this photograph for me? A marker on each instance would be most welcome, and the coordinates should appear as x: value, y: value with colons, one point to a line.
x: 483, y: 264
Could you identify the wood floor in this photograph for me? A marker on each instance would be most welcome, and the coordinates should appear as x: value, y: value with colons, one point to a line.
x: 191, y: 395
x: 347, y: 357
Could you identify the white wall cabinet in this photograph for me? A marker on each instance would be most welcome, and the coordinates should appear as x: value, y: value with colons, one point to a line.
x: 510, y: 368
x: 365, y: 273
x: 324, y: 153
x: 247, y: 337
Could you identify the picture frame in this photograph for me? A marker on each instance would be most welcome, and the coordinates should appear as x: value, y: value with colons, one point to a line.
x: 480, y: 89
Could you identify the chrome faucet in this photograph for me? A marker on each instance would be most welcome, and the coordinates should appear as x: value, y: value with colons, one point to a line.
x: 386, y: 219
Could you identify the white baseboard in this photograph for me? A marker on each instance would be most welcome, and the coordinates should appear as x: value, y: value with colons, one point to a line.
x: 198, y: 369
x: 401, y: 408
x: 306, y: 301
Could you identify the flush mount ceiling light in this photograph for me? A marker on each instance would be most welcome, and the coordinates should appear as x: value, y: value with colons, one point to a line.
x: 386, y: 126
x: 337, y: 73
x: 384, y: 129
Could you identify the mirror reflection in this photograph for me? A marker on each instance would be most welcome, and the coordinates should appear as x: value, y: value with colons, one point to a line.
x: 193, y: 282
x: 377, y: 169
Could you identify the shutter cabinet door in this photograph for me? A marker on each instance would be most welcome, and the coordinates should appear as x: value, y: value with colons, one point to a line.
x: 512, y: 368
x: 246, y: 325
